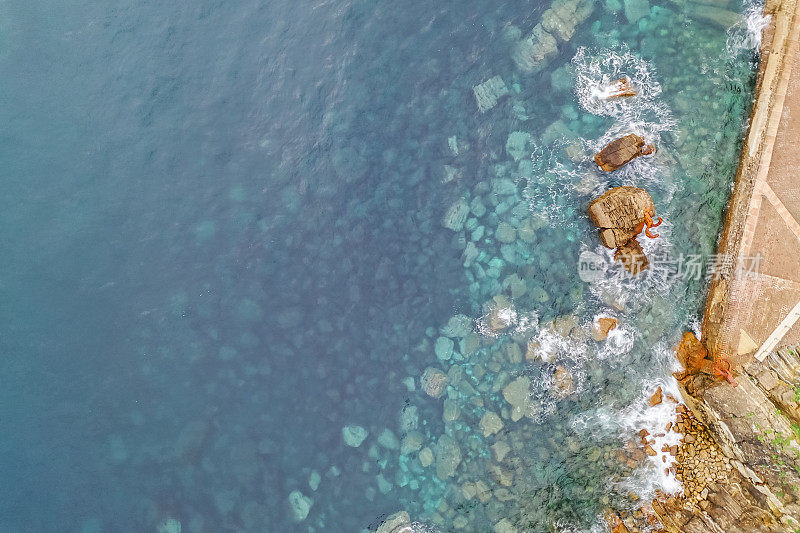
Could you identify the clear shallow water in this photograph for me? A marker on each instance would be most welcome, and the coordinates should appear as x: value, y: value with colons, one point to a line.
x: 224, y: 242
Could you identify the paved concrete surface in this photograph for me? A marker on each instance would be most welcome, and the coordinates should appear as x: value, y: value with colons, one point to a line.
x: 755, y: 308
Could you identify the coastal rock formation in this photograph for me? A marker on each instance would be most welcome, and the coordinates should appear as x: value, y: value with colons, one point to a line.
x: 694, y: 357
x: 622, y: 151
x: 621, y: 88
x: 618, y: 212
x: 622, y: 213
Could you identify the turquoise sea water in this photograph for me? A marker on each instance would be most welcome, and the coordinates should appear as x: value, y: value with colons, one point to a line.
x: 224, y: 242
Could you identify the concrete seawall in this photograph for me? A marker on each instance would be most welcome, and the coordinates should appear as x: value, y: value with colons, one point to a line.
x: 754, y: 309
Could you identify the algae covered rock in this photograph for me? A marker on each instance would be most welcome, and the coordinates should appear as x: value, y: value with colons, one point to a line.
x: 448, y: 457
x: 534, y: 52
x: 490, y: 423
x: 489, y: 92
x: 299, y: 506
x: 354, y: 435
x: 433, y: 382
x: 517, y: 144
x: 456, y: 215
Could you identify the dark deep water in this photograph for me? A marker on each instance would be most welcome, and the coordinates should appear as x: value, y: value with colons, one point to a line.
x: 223, y: 242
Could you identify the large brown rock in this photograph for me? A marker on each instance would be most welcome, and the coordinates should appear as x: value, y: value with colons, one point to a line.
x: 619, y: 213
x: 621, y: 151
x: 632, y: 257
x: 692, y: 354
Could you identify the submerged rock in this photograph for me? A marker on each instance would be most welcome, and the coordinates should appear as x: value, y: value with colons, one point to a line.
x: 389, y: 440
x: 517, y: 145
x: 457, y: 327
x: 636, y: 9
x: 448, y: 457
x: 563, y: 383
x: 353, y: 435
x: 535, y: 51
x: 563, y: 16
x: 433, y: 382
x: 456, y: 215
x: 490, y: 423
x: 299, y: 506
x: 715, y: 15
x: 170, y: 525
x: 444, y: 348
x: 518, y: 394
x: 489, y: 92
x: 426, y: 457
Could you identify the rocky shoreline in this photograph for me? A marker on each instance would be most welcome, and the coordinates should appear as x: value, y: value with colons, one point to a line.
x: 739, y: 458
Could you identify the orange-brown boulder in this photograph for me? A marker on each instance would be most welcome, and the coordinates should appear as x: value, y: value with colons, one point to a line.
x: 657, y: 397
x: 619, y: 213
x: 692, y: 354
x: 602, y: 327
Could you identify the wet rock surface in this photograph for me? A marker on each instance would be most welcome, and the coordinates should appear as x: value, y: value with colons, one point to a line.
x: 621, y: 213
x: 620, y: 152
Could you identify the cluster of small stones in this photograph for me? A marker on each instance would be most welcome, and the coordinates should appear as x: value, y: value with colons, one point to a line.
x: 699, y: 462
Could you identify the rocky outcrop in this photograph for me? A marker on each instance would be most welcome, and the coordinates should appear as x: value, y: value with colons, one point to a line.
x: 621, y: 213
x: 622, y: 151
x: 699, y: 367
x: 602, y: 327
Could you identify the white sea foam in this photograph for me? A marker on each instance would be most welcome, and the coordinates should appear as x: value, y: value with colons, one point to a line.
x: 746, y: 34
x: 627, y: 421
x: 597, y: 69
x: 645, y: 114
